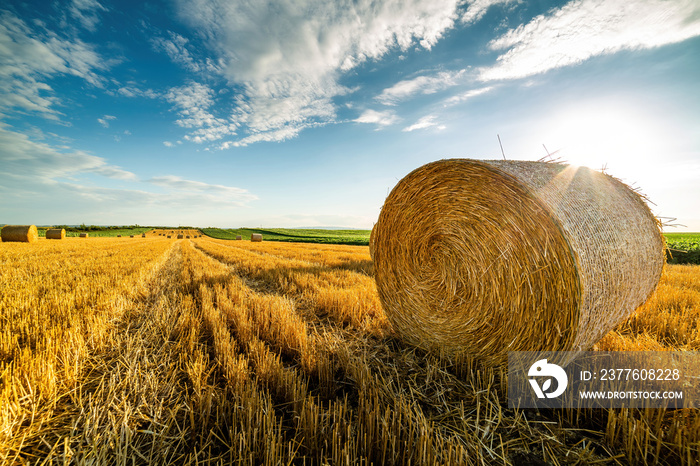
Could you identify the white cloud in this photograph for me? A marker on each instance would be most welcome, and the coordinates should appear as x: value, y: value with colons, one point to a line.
x: 383, y: 118
x: 423, y: 123
x: 420, y: 85
x: 104, y: 121
x: 583, y: 29
x: 179, y: 49
x: 476, y: 9
x: 205, y: 191
x: 168, y: 144
x: 40, y: 162
x: 29, y: 58
x: 193, y: 102
x: 87, y: 13
x: 278, y: 135
x: 35, y: 176
x: 132, y: 90
x: 467, y: 95
x: 287, y: 57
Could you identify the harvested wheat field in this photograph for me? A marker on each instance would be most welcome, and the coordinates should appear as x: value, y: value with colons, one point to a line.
x: 231, y: 352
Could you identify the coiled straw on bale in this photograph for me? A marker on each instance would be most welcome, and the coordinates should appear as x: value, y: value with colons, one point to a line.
x: 256, y: 237
x: 486, y: 257
x: 55, y: 233
x: 19, y: 233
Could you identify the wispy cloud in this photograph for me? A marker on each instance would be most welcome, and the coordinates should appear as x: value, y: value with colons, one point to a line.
x: 30, y: 58
x: 104, y: 121
x: 133, y: 90
x: 24, y: 158
x: 476, y: 9
x: 193, y: 103
x: 278, y: 135
x: 383, y: 118
x: 427, y: 84
x: 423, y: 123
x: 210, y: 192
x: 463, y: 96
x: 289, y: 70
x: 179, y: 49
x: 87, y: 13
x: 38, y: 170
x: 582, y: 29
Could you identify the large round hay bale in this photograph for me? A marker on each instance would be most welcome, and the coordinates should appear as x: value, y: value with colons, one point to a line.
x: 486, y: 257
x: 239, y: 237
x: 55, y: 233
x: 256, y: 237
x: 83, y: 235
x: 19, y: 233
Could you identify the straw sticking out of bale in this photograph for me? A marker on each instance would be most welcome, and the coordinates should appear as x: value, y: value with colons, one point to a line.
x: 19, y: 233
x: 83, y: 235
x: 256, y: 237
x: 55, y: 233
x: 239, y: 237
x: 497, y: 256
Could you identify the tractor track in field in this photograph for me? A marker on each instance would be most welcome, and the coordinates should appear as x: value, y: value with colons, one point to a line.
x: 311, y: 264
x: 319, y: 319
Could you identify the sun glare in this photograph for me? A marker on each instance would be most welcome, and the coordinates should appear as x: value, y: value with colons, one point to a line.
x: 603, y: 137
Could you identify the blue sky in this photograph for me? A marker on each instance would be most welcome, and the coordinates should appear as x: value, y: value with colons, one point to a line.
x: 307, y: 113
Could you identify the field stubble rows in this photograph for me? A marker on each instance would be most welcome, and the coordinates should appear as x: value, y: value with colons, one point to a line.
x: 154, y: 351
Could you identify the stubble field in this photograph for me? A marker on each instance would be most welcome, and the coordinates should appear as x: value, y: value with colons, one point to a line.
x: 205, y: 351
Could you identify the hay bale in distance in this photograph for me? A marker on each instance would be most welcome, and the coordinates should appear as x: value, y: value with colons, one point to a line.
x: 55, y: 233
x: 239, y: 237
x: 131, y: 236
x: 168, y: 236
x: 83, y: 235
x: 119, y: 236
x: 180, y: 236
x: 256, y: 238
x: 486, y: 257
x: 19, y: 233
